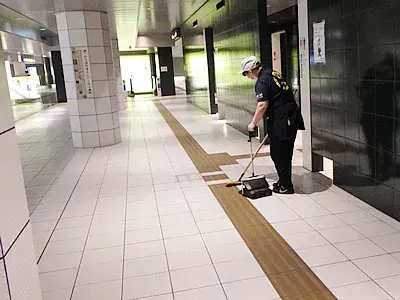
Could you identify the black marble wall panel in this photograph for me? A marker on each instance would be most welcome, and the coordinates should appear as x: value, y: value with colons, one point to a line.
x: 59, y: 76
x: 355, y: 97
x: 236, y: 35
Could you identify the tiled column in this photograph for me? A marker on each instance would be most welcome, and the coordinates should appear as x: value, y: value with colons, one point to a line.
x: 118, y: 77
x: 89, y: 78
x: 19, y: 277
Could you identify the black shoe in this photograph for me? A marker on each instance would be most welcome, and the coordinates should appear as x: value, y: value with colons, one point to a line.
x: 283, y: 191
x: 276, y: 185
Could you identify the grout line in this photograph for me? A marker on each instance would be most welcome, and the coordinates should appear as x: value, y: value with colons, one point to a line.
x: 65, y: 207
x: 2, y: 260
x: 91, y: 221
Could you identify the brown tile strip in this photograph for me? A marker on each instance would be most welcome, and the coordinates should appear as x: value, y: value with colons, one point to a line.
x: 290, y: 276
x: 215, y: 177
x: 264, y: 154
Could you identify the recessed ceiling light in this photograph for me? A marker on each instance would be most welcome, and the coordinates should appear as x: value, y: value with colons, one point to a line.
x: 42, y: 29
x: 18, y: 19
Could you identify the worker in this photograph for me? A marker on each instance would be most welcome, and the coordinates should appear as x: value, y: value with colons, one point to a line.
x: 284, y: 119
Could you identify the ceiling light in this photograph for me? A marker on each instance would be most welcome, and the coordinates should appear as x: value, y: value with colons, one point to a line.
x: 195, y: 24
x: 18, y: 19
x: 42, y: 29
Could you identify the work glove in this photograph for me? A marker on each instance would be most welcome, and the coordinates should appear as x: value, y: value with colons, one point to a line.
x: 251, y: 127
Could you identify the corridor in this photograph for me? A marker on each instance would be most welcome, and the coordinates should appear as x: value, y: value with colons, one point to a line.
x: 150, y: 218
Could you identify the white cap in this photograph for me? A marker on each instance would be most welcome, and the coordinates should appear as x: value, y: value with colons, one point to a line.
x: 249, y: 63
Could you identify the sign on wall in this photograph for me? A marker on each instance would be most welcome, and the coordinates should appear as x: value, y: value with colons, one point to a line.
x: 83, y: 74
x: 319, y: 42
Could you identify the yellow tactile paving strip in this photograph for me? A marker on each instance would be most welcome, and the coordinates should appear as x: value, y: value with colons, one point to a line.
x: 215, y: 177
x: 290, y: 276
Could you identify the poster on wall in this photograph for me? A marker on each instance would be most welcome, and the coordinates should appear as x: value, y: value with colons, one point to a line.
x: 83, y: 74
x: 319, y: 42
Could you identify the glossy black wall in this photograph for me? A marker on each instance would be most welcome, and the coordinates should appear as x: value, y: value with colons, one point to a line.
x: 237, y: 34
x: 355, y: 96
x: 166, y: 65
x: 59, y: 76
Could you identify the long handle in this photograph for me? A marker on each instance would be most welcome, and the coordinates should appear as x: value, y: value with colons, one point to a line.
x: 254, y: 156
x: 252, y: 161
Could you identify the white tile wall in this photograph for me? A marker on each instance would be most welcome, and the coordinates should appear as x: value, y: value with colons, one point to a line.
x: 110, y: 71
x: 97, y: 55
x: 99, y: 71
x: 78, y: 37
x: 22, y: 269
x: 63, y: 37
x: 86, y: 106
x: 61, y: 19
x: 75, y: 20
x: 69, y: 74
x: 104, y: 21
x: 88, y: 123
x: 113, y: 88
x: 77, y: 139
x: 106, y: 38
x: 114, y: 104
x: 90, y: 139
x: 15, y: 216
x: 75, y: 123
x: 93, y: 20
x: 103, y: 105
x: 70, y: 88
x: 115, y: 119
x: 66, y: 56
x: 109, y: 57
x: 105, y: 121
x: 73, y: 107
x: 101, y: 89
x: 95, y: 37
x: 117, y: 133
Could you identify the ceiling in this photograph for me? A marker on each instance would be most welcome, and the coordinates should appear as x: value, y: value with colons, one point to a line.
x: 128, y: 18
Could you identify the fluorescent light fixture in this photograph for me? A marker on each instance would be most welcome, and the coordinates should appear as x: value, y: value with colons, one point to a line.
x: 195, y: 24
x: 42, y: 29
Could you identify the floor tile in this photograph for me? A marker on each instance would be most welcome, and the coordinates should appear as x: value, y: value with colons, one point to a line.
x: 359, y: 249
x: 292, y: 227
x: 374, y: 229
x: 100, y: 256
x: 146, y: 249
x: 396, y: 255
x: 212, y: 292
x: 186, y: 243
x: 391, y: 285
x: 179, y: 230
x: 143, y: 223
x: 63, y: 294
x: 178, y: 219
x: 238, y: 270
x: 51, y: 263
x: 341, y: 234
x: 160, y: 297
x: 204, y: 215
x: 188, y: 259
x: 306, y: 240
x: 173, y: 209
x: 65, y: 247
x: 145, y: 266
x: 193, y: 278
x: 69, y: 234
x: 254, y: 289
x: 229, y: 252
x: 142, y: 236
x: 100, y: 291
x: 389, y: 243
x: 224, y: 237
x: 215, y: 225
x: 319, y: 256
x: 104, y: 241
x: 340, y: 274
x: 365, y: 291
x: 325, y: 222
x: 58, y: 280
x: 146, y: 286
x: 379, y: 266
x: 97, y: 273
x: 357, y: 217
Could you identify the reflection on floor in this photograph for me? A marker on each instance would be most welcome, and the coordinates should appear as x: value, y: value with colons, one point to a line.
x: 138, y: 220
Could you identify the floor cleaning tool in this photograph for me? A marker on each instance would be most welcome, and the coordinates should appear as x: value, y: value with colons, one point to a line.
x: 253, y: 187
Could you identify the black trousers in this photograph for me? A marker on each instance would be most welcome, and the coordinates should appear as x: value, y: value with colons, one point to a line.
x: 282, y: 155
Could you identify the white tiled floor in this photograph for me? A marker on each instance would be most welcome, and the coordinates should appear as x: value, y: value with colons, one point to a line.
x: 137, y: 221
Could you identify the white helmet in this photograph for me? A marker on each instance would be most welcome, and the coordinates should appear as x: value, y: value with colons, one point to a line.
x: 249, y: 63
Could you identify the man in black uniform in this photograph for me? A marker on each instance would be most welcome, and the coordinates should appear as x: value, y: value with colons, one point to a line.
x: 276, y: 99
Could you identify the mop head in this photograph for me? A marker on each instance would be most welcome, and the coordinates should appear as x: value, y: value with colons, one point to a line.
x: 233, y: 183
